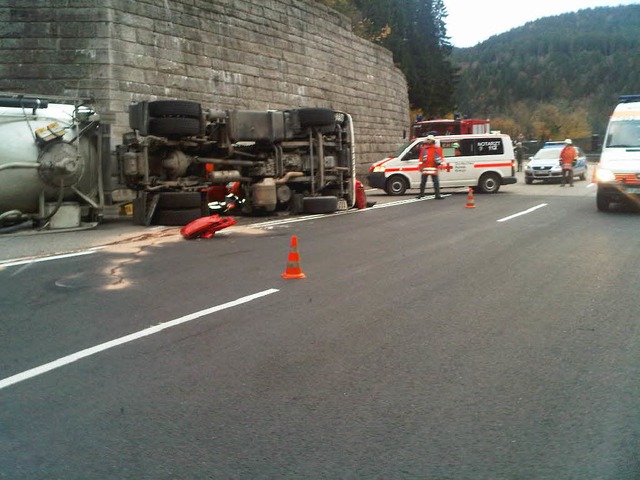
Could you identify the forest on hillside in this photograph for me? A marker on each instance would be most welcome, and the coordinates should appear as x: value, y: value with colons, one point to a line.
x: 552, y: 78
x: 555, y: 77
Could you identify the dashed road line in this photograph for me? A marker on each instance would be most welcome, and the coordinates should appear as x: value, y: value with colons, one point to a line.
x: 61, y: 362
x: 532, y: 209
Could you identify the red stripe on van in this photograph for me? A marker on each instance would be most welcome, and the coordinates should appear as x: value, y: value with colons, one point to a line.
x: 401, y: 169
x: 492, y: 165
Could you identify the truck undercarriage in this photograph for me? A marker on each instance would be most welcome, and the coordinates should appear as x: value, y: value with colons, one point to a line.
x: 182, y: 159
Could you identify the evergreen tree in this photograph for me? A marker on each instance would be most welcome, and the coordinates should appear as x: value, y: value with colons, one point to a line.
x: 417, y: 38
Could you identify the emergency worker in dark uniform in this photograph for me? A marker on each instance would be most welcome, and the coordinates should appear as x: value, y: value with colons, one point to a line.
x: 519, y: 151
x: 430, y: 159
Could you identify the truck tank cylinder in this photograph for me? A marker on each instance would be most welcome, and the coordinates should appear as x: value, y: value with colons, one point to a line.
x: 27, y: 170
x: 263, y: 194
x: 176, y: 163
x: 130, y: 164
x: 225, y: 176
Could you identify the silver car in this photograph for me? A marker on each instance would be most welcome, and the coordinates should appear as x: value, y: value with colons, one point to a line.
x: 545, y: 165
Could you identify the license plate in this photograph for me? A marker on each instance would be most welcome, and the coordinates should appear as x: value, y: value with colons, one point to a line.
x: 633, y: 190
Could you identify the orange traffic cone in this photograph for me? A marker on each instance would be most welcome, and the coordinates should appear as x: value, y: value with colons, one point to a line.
x: 470, y: 202
x: 293, y: 261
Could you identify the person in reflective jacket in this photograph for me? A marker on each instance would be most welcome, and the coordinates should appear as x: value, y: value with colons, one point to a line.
x: 567, y: 157
x: 430, y: 159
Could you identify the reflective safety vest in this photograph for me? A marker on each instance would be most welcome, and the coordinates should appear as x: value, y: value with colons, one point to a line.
x: 567, y: 156
x: 430, y: 158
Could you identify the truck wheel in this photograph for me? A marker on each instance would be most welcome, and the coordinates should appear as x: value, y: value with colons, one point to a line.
x: 175, y: 108
x: 320, y: 204
x: 602, y: 201
x: 396, y: 185
x: 316, y: 117
x: 174, y: 126
x: 489, y: 183
x: 176, y: 218
x: 179, y: 200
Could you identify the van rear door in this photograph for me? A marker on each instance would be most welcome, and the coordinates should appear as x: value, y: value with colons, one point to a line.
x: 493, y: 155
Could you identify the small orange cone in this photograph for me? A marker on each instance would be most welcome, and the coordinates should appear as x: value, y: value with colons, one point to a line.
x: 293, y: 261
x: 470, y: 202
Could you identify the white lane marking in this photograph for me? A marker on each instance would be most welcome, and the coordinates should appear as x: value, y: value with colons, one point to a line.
x: 284, y: 221
x: 523, y: 213
x: 15, y: 262
x: 47, y: 367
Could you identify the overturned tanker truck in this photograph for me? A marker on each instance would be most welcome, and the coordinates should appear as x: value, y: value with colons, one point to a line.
x: 184, y: 161
x: 51, y: 163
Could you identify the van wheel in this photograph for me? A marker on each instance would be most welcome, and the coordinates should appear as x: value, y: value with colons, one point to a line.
x: 602, y: 201
x: 396, y: 185
x: 489, y: 183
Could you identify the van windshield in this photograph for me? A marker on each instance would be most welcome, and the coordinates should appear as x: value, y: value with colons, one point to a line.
x: 402, y: 149
x: 623, y: 134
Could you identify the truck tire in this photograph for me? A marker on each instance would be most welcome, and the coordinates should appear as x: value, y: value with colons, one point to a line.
x: 176, y: 218
x: 489, y: 183
x: 175, y: 108
x: 316, y: 117
x: 174, y: 126
x: 179, y: 200
x: 320, y: 204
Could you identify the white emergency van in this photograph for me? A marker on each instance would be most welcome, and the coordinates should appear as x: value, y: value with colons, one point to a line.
x: 484, y: 162
x: 618, y: 172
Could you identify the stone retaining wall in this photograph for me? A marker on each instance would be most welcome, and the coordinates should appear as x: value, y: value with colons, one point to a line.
x: 226, y: 54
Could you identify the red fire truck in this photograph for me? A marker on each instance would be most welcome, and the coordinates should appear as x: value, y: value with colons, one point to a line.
x: 446, y: 126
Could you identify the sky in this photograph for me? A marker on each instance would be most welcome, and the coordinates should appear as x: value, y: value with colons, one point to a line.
x: 470, y: 22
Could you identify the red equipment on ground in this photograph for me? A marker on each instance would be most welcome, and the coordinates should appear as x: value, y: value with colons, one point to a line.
x: 361, y: 196
x: 206, y: 227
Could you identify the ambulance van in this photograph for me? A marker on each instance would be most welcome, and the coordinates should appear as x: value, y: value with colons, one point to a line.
x: 484, y: 162
x: 618, y: 172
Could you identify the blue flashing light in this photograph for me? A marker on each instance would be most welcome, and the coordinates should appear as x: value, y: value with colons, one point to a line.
x: 628, y: 98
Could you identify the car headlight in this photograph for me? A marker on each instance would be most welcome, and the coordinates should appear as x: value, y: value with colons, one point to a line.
x: 379, y: 168
x: 604, y: 175
x: 528, y: 167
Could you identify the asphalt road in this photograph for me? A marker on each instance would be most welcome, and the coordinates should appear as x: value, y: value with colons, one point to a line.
x: 428, y: 340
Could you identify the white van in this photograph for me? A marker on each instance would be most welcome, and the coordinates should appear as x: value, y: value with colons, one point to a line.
x: 484, y: 162
x: 618, y: 172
